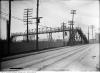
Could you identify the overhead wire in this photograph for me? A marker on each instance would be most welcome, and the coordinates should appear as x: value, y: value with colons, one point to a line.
x: 11, y: 16
x: 22, y: 19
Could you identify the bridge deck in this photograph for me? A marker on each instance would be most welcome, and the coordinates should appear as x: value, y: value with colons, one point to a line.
x: 76, y: 58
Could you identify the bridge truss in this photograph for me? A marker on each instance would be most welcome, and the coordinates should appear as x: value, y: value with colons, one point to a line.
x: 75, y: 36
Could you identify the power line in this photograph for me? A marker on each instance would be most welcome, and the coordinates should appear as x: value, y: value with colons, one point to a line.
x: 11, y: 16
x: 19, y: 18
x: 22, y: 19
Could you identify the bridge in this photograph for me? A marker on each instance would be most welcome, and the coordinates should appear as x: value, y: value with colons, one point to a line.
x: 41, y: 31
x: 73, y: 33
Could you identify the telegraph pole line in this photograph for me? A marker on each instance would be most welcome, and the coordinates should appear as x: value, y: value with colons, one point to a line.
x: 37, y: 22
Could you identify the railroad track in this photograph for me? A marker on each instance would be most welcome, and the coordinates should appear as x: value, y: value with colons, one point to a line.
x: 48, y: 59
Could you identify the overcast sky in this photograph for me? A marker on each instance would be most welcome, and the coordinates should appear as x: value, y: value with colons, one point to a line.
x: 54, y: 12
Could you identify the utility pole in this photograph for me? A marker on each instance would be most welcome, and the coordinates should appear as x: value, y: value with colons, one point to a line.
x: 92, y: 33
x: 37, y: 22
x: 8, y: 26
x: 27, y: 17
x: 63, y: 33
x: 73, y: 12
x: 27, y: 27
x: 88, y: 33
x: 0, y: 19
x: 70, y: 40
x: 71, y: 28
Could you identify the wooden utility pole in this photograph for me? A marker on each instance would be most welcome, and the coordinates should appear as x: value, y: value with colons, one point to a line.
x: 27, y: 17
x: 88, y: 33
x: 73, y: 12
x: 27, y: 27
x: 0, y: 19
x: 8, y: 26
x: 92, y: 33
x: 37, y: 23
x: 63, y: 33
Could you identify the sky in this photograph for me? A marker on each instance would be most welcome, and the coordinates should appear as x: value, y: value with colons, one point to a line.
x: 54, y: 13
